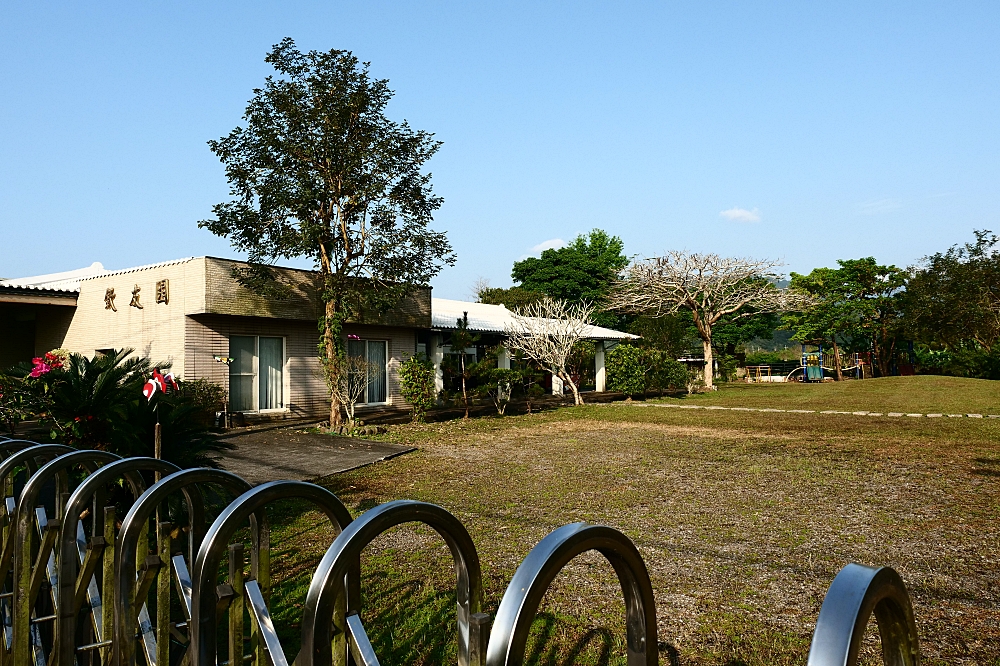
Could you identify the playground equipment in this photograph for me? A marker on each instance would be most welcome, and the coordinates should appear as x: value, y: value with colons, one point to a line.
x: 812, y: 368
x: 163, y: 588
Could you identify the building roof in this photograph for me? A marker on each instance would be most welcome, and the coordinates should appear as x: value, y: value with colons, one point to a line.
x: 68, y: 281
x: 445, y: 313
x: 139, y: 268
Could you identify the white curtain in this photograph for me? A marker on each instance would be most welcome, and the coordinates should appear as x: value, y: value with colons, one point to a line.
x: 270, y: 365
x: 241, y: 350
x: 376, y: 380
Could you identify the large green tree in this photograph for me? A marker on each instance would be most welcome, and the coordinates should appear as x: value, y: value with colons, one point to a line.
x: 582, y: 271
x: 860, y: 301
x: 953, y: 298
x: 831, y: 318
x: 319, y: 171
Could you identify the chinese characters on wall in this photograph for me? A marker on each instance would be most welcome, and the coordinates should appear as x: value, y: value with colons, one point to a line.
x: 162, y: 295
x: 135, y: 297
x: 163, y: 291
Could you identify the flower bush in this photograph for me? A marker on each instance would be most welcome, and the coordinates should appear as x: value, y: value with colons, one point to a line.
x: 97, y: 403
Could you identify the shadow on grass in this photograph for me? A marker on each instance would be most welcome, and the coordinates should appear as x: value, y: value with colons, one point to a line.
x: 987, y: 471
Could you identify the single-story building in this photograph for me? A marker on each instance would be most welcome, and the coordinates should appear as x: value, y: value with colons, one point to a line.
x: 193, y: 314
x: 491, y: 322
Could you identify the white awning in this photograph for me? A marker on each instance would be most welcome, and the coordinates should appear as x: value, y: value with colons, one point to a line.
x: 483, y: 318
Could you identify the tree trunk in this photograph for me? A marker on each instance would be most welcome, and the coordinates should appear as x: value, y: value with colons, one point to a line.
x: 577, y: 400
x: 837, y: 368
x: 465, y: 397
x: 706, y: 345
x: 884, y: 356
x: 332, y: 360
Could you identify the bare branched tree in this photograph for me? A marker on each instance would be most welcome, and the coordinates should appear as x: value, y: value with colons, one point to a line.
x: 347, y: 381
x: 479, y: 286
x: 709, y: 286
x: 546, y: 331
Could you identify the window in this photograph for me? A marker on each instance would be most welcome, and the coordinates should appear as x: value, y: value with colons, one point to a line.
x: 375, y: 352
x: 256, y: 374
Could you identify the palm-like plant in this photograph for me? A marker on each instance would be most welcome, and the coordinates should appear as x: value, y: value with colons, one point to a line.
x: 90, y: 400
x: 97, y: 403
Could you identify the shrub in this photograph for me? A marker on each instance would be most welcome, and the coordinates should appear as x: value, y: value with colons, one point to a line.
x: 206, y: 398
x: 17, y: 401
x: 961, y: 361
x: 499, y: 385
x: 416, y: 380
x: 186, y: 440
x: 626, y: 369
x: 97, y: 403
x: 666, y: 373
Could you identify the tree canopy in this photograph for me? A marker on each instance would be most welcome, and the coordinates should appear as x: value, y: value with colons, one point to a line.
x: 320, y: 171
x: 953, y: 299
x: 513, y: 298
x: 859, y: 302
x: 711, y: 288
x: 582, y: 271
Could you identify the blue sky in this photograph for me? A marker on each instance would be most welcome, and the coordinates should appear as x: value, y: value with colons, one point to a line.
x: 787, y: 130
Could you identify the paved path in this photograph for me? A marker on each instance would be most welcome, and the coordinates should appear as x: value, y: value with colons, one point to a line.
x: 273, y: 454
x: 814, y: 411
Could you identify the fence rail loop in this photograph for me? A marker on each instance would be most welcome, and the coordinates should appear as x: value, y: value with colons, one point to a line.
x: 533, y: 577
x: 132, y: 552
x: 76, y: 585
x: 205, y: 606
x: 325, y: 599
x: 855, y: 594
x: 27, y: 458
x: 28, y: 576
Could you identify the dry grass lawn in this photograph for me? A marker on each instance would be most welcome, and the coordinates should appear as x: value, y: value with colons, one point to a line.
x: 743, y: 519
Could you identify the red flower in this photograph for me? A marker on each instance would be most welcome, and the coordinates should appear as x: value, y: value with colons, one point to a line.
x: 41, y: 367
x: 52, y: 360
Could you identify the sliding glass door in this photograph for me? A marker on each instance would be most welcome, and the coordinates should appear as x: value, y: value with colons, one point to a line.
x: 256, y: 373
x: 271, y: 364
x: 376, y: 353
x: 243, y: 351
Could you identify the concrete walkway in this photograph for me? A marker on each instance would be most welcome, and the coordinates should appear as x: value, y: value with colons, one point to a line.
x: 272, y: 454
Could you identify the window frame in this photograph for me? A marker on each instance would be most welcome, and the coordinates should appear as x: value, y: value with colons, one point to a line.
x: 255, y: 376
x: 385, y: 371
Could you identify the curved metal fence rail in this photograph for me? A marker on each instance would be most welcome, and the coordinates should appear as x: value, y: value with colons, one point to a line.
x: 162, y: 588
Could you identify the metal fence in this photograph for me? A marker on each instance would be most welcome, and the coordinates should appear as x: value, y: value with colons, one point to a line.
x: 83, y: 587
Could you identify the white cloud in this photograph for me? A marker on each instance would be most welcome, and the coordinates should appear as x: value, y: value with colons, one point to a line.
x: 550, y: 244
x: 741, y: 215
x: 880, y: 206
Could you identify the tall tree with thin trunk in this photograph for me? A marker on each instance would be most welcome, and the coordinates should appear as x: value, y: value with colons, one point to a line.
x: 829, y: 317
x: 545, y: 332
x: 708, y: 286
x: 319, y: 171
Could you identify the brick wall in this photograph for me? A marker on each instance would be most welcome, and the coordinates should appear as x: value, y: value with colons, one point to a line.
x: 156, y: 330
x: 207, y: 336
x: 300, y: 300
x: 306, y: 395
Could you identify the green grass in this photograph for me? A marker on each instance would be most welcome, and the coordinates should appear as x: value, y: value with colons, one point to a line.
x: 743, y: 518
x: 923, y: 394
